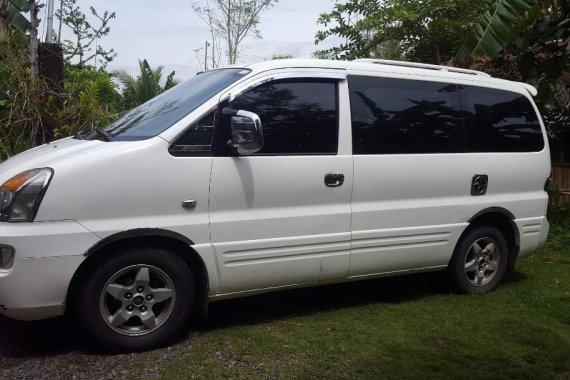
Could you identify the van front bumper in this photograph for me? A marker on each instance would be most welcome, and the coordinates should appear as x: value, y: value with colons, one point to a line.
x: 47, y: 254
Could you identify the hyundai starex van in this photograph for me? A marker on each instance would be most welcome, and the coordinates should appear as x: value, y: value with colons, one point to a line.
x: 280, y: 174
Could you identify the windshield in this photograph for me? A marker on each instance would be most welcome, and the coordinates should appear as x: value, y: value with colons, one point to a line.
x: 160, y: 113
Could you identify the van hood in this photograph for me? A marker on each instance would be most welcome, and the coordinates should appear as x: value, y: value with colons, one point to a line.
x: 49, y: 155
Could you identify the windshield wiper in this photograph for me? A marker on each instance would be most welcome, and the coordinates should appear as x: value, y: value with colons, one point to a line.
x: 87, y: 134
x: 79, y: 135
x: 106, y: 135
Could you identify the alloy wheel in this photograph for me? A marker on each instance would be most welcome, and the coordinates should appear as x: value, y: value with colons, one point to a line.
x: 137, y: 300
x: 482, y: 261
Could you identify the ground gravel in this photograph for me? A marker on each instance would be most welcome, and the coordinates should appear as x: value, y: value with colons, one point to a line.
x: 53, y: 349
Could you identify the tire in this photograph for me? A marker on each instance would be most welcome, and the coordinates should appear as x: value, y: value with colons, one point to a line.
x: 479, y: 260
x: 135, y: 300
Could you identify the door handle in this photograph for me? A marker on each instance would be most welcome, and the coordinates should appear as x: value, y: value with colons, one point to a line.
x: 190, y: 203
x: 334, y: 179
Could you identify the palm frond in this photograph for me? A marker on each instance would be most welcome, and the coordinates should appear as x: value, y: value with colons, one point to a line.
x: 170, y: 81
x: 146, y: 85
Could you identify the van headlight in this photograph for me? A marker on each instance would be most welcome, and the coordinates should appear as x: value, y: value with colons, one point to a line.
x: 21, y: 195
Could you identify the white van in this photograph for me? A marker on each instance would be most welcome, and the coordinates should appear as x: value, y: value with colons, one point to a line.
x: 276, y: 175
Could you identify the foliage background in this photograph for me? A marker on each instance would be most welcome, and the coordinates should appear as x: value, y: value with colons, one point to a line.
x: 35, y: 110
x: 520, y: 40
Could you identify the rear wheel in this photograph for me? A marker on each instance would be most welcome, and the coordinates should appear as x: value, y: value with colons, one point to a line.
x: 138, y: 299
x: 479, y: 260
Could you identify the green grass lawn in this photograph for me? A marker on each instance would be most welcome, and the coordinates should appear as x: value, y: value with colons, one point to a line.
x: 405, y: 327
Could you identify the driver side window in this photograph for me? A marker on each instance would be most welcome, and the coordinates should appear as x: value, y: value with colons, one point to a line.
x: 299, y: 117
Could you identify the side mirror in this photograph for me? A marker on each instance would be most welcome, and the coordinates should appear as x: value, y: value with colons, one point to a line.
x: 247, y: 133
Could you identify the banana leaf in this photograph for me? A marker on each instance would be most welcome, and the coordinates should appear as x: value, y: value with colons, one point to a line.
x: 21, y: 5
x: 495, y: 28
x: 20, y: 22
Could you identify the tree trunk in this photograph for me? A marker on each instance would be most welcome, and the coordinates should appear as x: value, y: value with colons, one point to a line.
x: 229, y: 16
x: 437, y: 55
x: 34, y: 23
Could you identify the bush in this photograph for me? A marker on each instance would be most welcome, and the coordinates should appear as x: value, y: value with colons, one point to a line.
x: 559, y: 218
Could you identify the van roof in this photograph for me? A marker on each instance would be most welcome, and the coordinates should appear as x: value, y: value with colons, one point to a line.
x: 388, y: 66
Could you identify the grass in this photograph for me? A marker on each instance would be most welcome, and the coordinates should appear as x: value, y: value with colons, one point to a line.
x: 405, y: 327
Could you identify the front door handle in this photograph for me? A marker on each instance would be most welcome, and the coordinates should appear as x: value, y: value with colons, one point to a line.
x: 334, y: 179
x: 189, y: 204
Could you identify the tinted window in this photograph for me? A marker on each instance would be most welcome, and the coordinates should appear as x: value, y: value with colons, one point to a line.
x: 197, y: 138
x: 160, y: 113
x: 499, y: 121
x: 298, y: 117
x: 393, y: 116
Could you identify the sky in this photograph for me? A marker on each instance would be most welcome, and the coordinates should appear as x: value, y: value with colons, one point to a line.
x: 168, y: 32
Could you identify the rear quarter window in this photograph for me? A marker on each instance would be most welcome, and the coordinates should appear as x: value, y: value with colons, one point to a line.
x: 402, y: 116
x: 499, y: 121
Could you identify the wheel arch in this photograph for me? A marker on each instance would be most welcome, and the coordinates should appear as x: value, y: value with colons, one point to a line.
x: 502, y: 219
x: 147, y: 237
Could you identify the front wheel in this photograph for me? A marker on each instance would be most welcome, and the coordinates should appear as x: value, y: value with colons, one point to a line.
x: 479, y: 260
x: 138, y: 299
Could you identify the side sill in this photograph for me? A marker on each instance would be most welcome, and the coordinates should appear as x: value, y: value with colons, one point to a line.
x: 246, y: 293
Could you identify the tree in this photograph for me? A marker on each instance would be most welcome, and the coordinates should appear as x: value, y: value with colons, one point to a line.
x: 145, y: 86
x: 31, y: 112
x: 526, y: 40
x: 232, y: 21
x: 425, y: 31
x: 92, y: 100
x: 496, y: 27
x: 540, y: 31
x: 34, y: 42
x: 11, y: 15
x: 22, y: 108
x: 520, y: 40
x: 85, y: 48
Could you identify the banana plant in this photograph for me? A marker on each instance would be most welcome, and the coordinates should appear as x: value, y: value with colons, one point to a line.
x: 497, y: 27
x: 11, y: 11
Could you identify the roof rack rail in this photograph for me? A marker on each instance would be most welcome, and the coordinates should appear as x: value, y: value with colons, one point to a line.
x: 422, y: 66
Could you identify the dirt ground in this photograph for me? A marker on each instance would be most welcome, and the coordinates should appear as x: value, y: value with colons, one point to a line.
x: 53, y: 349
